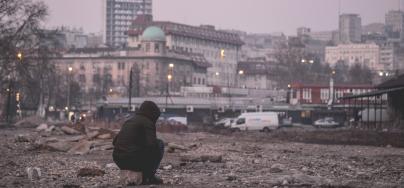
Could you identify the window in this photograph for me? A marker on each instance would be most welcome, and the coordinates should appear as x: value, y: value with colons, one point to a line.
x: 156, y: 48
x: 121, y: 66
x: 82, y: 78
x: 240, y: 121
x: 147, y: 47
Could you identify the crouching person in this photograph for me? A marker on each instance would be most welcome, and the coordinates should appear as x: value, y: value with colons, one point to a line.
x: 136, y: 147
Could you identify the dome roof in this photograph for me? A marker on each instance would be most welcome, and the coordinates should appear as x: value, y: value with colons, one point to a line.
x: 153, y: 33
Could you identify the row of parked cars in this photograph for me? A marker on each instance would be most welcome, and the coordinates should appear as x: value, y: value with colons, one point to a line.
x: 267, y: 121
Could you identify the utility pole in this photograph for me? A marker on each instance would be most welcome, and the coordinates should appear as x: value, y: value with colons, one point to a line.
x: 130, y: 89
x: 8, y: 111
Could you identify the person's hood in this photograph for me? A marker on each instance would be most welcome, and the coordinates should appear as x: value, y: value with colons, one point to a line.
x: 150, y: 110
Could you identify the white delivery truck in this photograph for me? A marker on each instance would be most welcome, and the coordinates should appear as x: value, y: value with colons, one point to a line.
x: 261, y: 121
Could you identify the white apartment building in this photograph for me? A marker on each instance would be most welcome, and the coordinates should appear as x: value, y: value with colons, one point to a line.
x: 118, y: 18
x: 365, y: 54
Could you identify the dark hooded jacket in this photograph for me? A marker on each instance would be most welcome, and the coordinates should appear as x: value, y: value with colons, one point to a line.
x: 136, y: 142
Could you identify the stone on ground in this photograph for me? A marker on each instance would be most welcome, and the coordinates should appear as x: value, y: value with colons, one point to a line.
x: 69, y: 131
x: 128, y: 177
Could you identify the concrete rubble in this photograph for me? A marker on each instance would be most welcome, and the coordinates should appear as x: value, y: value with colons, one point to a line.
x: 80, y: 156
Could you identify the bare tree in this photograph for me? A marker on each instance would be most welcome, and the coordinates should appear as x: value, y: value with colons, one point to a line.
x: 20, y: 33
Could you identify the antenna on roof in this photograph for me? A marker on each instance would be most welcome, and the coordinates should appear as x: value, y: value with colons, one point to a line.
x: 339, y: 8
x: 399, y: 5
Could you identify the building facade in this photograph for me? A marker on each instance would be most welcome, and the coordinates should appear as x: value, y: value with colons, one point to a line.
x: 365, y: 54
x: 220, y: 48
x: 350, y: 28
x: 395, y: 21
x: 257, y: 73
x: 156, y: 69
x: 324, y: 35
x: 321, y: 94
x: 119, y: 15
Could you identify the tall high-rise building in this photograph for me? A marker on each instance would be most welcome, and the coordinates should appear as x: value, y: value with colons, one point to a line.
x: 395, y: 23
x: 119, y: 15
x: 395, y: 20
x: 350, y: 28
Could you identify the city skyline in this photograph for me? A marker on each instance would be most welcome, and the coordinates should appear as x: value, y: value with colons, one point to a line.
x: 279, y: 15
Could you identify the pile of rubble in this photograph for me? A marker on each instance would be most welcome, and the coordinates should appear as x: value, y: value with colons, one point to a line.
x: 74, y: 139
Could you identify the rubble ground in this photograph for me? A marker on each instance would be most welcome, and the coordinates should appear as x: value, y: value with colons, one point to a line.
x: 66, y: 158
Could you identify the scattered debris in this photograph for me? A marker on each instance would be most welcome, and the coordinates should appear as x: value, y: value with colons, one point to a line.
x: 128, y: 177
x: 30, y: 122
x: 168, y: 167
x: 70, y: 131
x: 62, y: 146
x: 104, y: 136
x: 22, y: 138
x: 81, y: 148
x: 111, y: 165
x: 277, y: 168
x: 42, y: 127
x: 90, y: 172
x: 231, y: 178
x: 202, y: 158
x: 92, y: 134
x: 172, y: 147
x: 34, y: 173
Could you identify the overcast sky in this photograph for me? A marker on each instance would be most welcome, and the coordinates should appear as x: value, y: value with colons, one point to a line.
x: 253, y: 16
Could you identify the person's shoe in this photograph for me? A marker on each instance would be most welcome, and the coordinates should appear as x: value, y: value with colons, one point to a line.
x: 154, y: 180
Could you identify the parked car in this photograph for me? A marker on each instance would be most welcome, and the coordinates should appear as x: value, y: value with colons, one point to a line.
x: 225, y: 122
x: 327, y: 122
x: 261, y: 121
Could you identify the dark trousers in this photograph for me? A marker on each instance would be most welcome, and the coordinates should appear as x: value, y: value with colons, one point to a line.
x: 147, y: 165
x: 154, y: 164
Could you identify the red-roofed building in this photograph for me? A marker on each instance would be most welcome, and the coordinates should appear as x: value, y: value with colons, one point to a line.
x: 321, y: 94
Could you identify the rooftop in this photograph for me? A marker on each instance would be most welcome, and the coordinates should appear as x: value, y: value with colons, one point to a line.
x: 170, y: 28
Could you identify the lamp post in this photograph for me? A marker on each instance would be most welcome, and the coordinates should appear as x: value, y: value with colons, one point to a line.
x: 240, y: 73
x: 130, y: 89
x: 169, y: 78
x: 68, y: 90
x: 11, y: 90
x: 288, y: 93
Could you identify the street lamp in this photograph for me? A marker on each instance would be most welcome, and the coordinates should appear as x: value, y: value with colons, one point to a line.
x: 288, y: 93
x: 240, y: 72
x: 169, y: 78
x: 68, y: 89
x: 19, y: 56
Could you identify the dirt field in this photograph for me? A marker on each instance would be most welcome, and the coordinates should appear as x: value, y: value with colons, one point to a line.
x: 205, y: 159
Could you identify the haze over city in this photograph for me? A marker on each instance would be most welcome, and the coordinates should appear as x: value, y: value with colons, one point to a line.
x: 202, y: 93
x: 257, y: 16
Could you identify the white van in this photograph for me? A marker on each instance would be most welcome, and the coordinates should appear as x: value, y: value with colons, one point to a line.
x: 261, y: 121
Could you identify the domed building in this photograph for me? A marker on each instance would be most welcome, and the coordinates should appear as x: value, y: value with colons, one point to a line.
x: 153, y: 40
